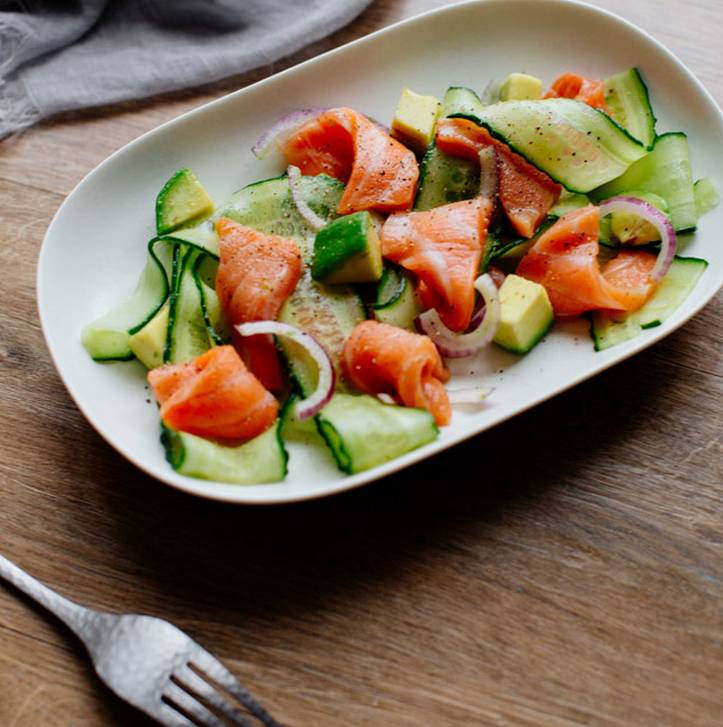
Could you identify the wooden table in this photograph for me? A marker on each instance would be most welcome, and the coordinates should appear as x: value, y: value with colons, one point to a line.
x: 581, y: 583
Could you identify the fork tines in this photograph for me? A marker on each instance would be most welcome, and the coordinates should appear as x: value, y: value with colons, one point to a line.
x: 205, y: 693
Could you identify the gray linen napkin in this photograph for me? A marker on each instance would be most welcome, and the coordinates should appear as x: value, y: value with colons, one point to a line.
x: 60, y: 55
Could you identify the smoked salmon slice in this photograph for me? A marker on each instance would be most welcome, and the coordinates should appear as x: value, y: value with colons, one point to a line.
x: 379, y: 358
x: 214, y: 396
x: 526, y: 194
x: 565, y: 261
x: 379, y: 172
x: 256, y: 274
x: 575, y: 86
x: 443, y: 248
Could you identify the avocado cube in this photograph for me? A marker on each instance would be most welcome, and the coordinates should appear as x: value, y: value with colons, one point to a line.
x: 182, y: 201
x: 149, y: 342
x: 526, y: 314
x: 348, y: 251
x: 521, y: 87
x: 630, y: 229
x: 414, y: 120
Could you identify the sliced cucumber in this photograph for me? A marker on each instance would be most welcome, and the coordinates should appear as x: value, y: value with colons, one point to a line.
x: 608, y: 329
x: 258, y: 461
x: 108, y: 337
x: 508, y: 255
x: 575, y: 144
x: 216, y: 325
x: 631, y: 229
x: 187, y: 336
x: 203, y: 237
x: 460, y: 100
x: 511, y: 251
x: 390, y: 285
x: 182, y: 201
x: 396, y: 301
x: 707, y: 195
x: 492, y: 243
x: 568, y: 203
x: 294, y: 430
x: 443, y: 178
x: 329, y: 313
x: 363, y: 433
x: 665, y: 171
x: 627, y: 97
x: 267, y: 206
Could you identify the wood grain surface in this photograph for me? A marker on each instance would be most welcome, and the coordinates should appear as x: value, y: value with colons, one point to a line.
x: 579, y: 584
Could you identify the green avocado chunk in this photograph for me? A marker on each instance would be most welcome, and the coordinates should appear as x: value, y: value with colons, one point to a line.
x: 182, y: 201
x: 149, y: 343
x: 526, y: 314
x: 348, y: 251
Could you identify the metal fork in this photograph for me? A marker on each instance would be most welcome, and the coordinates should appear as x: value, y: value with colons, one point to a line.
x: 151, y: 664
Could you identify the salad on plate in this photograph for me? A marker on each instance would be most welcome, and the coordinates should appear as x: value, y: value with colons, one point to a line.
x: 322, y: 304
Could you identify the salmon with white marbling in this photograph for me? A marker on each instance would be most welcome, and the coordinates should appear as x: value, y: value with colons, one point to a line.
x: 380, y: 173
x: 443, y: 247
x: 565, y: 261
x: 256, y: 274
x: 383, y: 359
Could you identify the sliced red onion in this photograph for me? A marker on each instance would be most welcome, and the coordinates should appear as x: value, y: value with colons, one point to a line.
x: 459, y: 345
x: 498, y: 277
x: 386, y: 398
x: 470, y: 395
x: 477, y: 318
x: 313, y: 403
x: 314, y: 221
x: 282, y: 130
x: 660, y: 221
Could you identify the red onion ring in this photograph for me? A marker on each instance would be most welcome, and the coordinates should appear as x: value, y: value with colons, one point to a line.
x: 459, y: 345
x: 312, y: 219
x: 660, y: 221
x: 281, y: 130
x: 477, y: 318
x: 312, y: 404
x: 498, y: 277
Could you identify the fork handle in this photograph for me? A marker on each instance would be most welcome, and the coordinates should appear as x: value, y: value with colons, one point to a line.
x: 73, y: 615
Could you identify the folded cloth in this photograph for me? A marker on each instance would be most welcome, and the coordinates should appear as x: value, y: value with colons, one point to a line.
x: 57, y: 56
